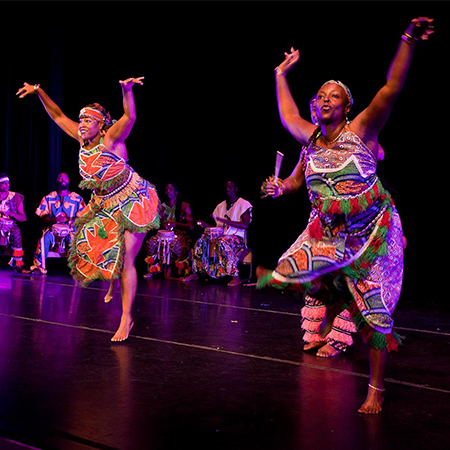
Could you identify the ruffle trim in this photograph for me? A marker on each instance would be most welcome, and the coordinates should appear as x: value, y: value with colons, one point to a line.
x: 381, y: 341
x: 105, y: 185
x: 351, y: 205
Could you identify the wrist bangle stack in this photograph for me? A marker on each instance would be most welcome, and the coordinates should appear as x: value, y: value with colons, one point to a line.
x: 409, y: 39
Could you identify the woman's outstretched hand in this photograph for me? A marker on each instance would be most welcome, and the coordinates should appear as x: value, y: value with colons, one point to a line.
x: 27, y: 89
x: 129, y: 82
x: 420, y: 28
x: 289, y: 62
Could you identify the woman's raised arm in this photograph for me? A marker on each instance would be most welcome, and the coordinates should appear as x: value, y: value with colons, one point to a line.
x: 290, y: 117
x: 122, y: 128
x: 369, y: 123
x: 54, y: 111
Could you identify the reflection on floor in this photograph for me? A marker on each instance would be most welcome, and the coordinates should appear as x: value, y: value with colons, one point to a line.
x: 207, y: 367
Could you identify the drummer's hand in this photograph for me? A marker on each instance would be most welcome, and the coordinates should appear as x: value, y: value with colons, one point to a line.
x: 61, y: 218
x: 273, y: 189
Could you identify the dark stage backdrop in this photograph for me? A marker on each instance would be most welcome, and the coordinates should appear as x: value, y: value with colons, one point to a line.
x: 208, y: 111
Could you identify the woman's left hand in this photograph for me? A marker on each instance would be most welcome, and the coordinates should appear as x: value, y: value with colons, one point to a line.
x: 129, y: 82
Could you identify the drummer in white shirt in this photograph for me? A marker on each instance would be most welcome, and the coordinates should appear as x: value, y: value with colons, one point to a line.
x: 216, y: 252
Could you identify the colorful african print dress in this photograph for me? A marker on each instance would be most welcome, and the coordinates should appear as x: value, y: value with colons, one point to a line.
x: 353, y: 237
x: 121, y: 200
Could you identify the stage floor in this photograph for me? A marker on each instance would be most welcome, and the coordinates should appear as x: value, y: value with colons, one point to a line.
x: 206, y: 367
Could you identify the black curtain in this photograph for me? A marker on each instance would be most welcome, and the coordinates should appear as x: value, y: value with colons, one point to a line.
x: 208, y: 111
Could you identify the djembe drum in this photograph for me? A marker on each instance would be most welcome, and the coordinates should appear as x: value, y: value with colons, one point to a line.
x: 211, y: 234
x: 164, y: 238
x: 6, y: 226
x: 60, y: 231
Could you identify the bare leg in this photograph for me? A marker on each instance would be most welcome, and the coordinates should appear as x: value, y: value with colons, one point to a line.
x: 374, y: 401
x: 110, y: 293
x: 327, y: 323
x: 128, y: 285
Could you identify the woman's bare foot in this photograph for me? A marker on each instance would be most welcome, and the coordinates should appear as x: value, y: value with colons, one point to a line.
x: 313, y: 345
x: 374, y: 401
x: 110, y: 293
x: 236, y: 281
x: 191, y: 277
x: 328, y: 351
x: 126, y: 324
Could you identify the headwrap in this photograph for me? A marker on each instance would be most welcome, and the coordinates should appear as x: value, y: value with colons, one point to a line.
x: 343, y: 86
x: 3, y: 178
x: 95, y: 113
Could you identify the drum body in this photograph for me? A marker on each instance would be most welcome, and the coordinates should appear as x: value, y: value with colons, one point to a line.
x: 6, y: 226
x: 212, y: 233
x: 60, y: 231
x: 165, y: 238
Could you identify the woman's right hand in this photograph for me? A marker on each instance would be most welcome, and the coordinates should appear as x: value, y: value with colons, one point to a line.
x: 27, y: 89
x: 274, y: 189
x: 289, y: 62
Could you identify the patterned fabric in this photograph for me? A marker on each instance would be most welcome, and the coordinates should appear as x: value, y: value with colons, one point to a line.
x: 52, y: 205
x: 234, y: 213
x: 11, y: 204
x: 121, y: 200
x: 354, y: 231
x: 218, y: 257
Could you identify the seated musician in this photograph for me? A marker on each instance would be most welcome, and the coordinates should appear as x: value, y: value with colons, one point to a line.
x: 58, y: 210
x: 11, y: 212
x: 172, y: 243
x: 216, y: 252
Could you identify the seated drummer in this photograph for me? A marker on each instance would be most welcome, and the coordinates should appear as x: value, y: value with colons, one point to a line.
x: 175, y: 215
x: 11, y: 208
x: 217, y: 257
x: 58, y: 207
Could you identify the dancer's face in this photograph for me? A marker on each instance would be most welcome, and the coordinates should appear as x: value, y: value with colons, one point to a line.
x: 331, y: 103
x: 89, y: 128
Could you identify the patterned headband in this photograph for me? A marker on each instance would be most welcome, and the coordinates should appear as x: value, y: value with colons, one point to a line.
x: 92, y: 112
x: 343, y: 86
